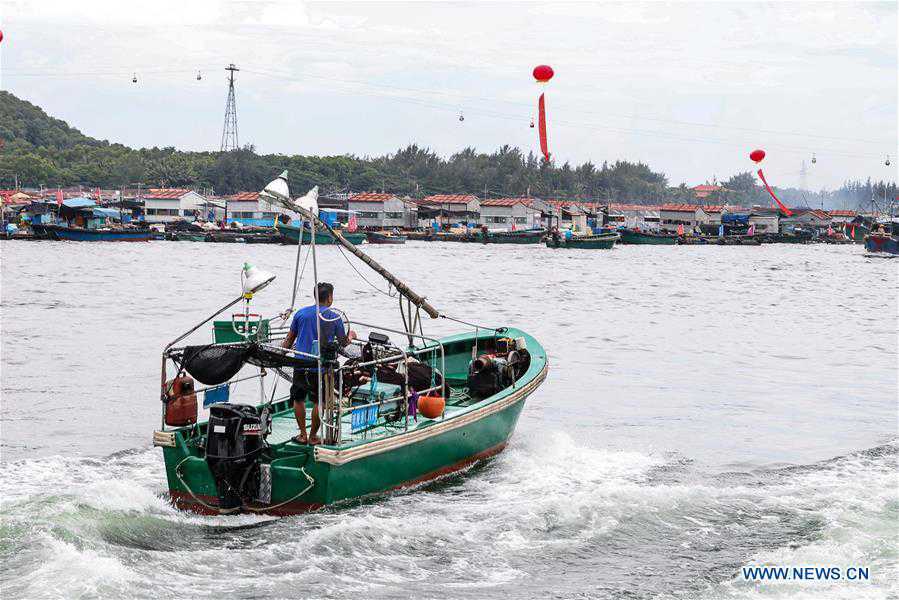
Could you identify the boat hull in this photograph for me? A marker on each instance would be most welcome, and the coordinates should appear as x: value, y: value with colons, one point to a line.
x: 96, y: 235
x: 187, y: 236
x: 291, y: 235
x: 639, y: 237
x: 380, y: 238
x: 598, y: 242
x: 882, y: 245
x: 530, y: 237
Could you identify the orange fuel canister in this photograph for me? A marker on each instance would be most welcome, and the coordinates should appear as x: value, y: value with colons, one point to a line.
x: 181, y: 402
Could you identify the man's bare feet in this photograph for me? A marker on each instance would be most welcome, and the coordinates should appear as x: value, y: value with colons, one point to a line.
x: 301, y: 439
x: 314, y: 441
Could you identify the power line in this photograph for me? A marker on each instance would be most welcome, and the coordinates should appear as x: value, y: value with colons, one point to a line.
x: 302, y: 76
x: 582, y: 125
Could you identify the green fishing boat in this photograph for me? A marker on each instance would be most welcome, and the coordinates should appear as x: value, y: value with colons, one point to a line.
x: 601, y: 241
x: 526, y: 236
x: 632, y: 236
x: 291, y: 235
x: 405, y: 409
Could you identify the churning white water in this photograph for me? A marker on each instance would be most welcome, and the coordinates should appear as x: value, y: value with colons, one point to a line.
x: 707, y: 409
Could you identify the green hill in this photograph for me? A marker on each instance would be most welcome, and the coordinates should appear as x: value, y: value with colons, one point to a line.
x: 22, y: 121
x: 42, y: 150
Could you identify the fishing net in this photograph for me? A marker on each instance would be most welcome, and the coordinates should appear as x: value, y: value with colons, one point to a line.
x: 270, y: 358
x: 214, y: 363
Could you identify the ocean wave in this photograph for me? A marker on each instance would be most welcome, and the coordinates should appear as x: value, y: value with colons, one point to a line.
x: 654, y: 524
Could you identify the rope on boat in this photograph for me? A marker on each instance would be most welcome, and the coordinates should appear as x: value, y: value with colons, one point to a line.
x: 220, y: 510
x: 475, y: 325
x: 228, y: 511
x: 280, y: 504
x: 376, y: 288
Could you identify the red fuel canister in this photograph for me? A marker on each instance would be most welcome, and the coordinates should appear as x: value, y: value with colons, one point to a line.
x: 181, y: 402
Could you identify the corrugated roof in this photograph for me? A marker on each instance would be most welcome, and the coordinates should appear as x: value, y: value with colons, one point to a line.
x: 705, y: 187
x: 371, y: 197
x: 109, y: 213
x: 764, y: 210
x: 15, y: 197
x: 679, y: 207
x: 166, y: 193
x: 843, y: 213
x: 634, y: 207
x: 507, y: 201
x: 243, y: 197
x: 713, y: 208
x: 78, y: 202
x: 448, y: 199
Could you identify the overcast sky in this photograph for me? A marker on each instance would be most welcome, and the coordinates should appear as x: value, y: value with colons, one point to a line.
x: 689, y: 88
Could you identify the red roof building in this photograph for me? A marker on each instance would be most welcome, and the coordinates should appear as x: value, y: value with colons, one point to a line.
x: 162, y: 205
x: 511, y: 213
x: 382, y: 210
x: 705, y: 190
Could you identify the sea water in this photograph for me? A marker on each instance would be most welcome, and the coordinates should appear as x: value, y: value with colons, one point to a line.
x: 707, y: 409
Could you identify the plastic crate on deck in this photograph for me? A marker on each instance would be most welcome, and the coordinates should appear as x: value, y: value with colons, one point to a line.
x: 223, y: 331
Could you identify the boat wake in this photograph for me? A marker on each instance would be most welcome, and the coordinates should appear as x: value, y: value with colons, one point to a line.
x: 549, y: 517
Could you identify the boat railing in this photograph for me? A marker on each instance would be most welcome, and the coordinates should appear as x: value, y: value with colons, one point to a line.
x: 339, y: 408
x: 373, y: 407
x: 336, y: 407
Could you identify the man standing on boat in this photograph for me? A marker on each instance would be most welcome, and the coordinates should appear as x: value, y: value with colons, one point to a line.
x: 303, y: 337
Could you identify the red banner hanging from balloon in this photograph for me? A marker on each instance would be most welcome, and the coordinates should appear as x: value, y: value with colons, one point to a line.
x: 541, y: 118
x: 780, y: 204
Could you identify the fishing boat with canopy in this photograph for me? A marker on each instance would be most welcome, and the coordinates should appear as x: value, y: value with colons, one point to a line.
x: 398, y: 407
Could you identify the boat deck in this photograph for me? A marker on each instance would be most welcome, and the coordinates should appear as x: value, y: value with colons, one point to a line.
x: 284, y: 425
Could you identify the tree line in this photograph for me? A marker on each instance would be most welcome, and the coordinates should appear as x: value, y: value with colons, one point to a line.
x: 40, y: 150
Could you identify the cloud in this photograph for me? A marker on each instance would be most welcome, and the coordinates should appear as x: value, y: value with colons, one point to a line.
x: 685, y: 87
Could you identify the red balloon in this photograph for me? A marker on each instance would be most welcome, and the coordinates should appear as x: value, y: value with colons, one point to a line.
x: 543, y: 73
x: 757, y: 155
x: 1, y: 36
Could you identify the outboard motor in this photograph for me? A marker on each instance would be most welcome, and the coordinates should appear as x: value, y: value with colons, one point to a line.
x: 234, y: 439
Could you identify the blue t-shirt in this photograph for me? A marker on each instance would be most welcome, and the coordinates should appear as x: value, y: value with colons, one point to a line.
x: 303, y: 326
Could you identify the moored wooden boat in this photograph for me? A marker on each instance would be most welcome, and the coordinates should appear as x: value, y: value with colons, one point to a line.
x: 600, y: 241
x: 632, y: 236
x: 884, y: 241
x: 384, y: 237
x: 525, y: 236
x: 291, y: 235
x: 78, y: 234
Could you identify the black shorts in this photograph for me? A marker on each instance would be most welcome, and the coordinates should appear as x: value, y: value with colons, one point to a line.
x: 305, y: 382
